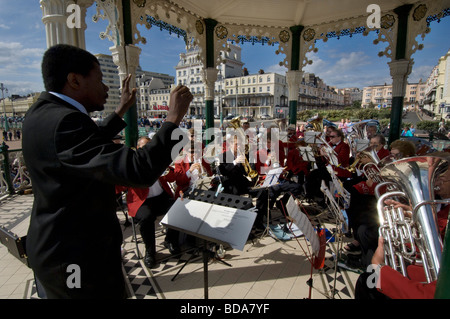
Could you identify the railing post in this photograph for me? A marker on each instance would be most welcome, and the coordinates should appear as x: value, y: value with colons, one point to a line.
x: 6, y: 167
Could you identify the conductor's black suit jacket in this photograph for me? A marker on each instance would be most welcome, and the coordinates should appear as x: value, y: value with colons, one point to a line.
x: 74, y: 167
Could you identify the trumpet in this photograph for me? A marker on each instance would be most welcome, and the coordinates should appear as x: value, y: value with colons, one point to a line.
x: 236, y: 124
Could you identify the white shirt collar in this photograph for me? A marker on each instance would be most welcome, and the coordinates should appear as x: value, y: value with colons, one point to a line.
x: 71, y: 101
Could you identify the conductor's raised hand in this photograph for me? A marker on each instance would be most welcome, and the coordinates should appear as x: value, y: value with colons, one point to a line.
x: 128, y: 97
x: 180, y: 99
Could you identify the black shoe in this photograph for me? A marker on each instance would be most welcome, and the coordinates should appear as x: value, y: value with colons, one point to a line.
x: 352, y: 249
x: 259, y: 226
x: 173, y: 249
x: 149, y: 260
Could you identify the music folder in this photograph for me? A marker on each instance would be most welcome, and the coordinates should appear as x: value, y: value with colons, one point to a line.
x: 215, y: 223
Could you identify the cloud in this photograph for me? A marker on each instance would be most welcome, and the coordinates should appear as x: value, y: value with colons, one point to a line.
x: 3, y: 26
x: 276, y: 68
x: 22, y: 67
x: 420, y: 73
x: 347, y: 69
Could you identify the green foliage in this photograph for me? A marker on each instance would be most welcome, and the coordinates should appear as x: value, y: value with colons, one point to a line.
x: 352, y: 113
x: 429, y: 126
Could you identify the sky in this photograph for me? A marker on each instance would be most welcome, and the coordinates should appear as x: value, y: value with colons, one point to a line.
x: 347, y: 62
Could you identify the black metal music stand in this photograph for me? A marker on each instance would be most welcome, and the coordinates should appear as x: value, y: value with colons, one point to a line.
x: 221, y: 199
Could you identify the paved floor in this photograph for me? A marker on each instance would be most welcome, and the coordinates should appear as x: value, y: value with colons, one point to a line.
x: 266, y: 268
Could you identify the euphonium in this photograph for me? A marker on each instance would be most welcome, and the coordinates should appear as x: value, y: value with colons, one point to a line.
x: 236, y: 124
x: 370, y: 153
x: 412, y: 237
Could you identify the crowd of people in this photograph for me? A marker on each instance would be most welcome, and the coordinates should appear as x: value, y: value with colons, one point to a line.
x: 78, y: 171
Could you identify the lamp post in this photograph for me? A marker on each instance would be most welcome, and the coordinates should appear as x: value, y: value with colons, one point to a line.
x: 3, y: 88
x: 237, y: 88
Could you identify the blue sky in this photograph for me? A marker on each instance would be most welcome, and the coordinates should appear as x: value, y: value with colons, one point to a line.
x: 347, y: 62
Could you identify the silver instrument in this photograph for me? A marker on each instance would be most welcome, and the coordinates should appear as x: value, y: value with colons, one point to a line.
x: 411, y: 237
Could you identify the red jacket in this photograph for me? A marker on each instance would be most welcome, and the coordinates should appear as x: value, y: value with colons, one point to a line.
x: 343, y: 155
x: 295, y: 162
x: 262, y: 156
x: 137, y: 196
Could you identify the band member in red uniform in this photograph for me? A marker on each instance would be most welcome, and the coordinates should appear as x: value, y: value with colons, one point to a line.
x: 189, y: 168
x: 377, y: 142
x: 145, y: 204
x: 271, y: 153
x: 342, y: 151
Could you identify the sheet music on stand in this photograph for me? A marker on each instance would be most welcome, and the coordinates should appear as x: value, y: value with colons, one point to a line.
x: 215, y: 223
x: 272, y: 177
x: 311, y: 137
x: 361, y: 144
x: 307, y: 154
x: 304, y: 224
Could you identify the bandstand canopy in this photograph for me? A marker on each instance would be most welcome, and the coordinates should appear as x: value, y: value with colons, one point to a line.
x: 283, y: 13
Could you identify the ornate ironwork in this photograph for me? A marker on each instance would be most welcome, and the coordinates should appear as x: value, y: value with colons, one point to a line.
x: 199, y: 26
x: 254, y: 39
x: 420, y: 12
x: 438, y: 17
x: 309, y: 34
x: 345, y: 32
x: 166, y: 26
x: 387, y: 21
x: 284, y: 36
x: 140, y: 3
x: 221, y: 32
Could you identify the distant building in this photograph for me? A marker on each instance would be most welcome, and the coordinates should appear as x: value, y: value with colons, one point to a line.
x: 351, y: 95
x: 17, y: 105
x: 143, y: 81
x: 437, y: 101
x: 314, y: 93
x: 380, y: 96
x: 250, y: 94
x: 189, y: 72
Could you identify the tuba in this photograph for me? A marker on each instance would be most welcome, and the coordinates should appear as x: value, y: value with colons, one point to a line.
x: 236, y: 124
x: 412, y: 237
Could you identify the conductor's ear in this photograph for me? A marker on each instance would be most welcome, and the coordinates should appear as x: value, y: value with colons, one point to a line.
x: 74, y: 80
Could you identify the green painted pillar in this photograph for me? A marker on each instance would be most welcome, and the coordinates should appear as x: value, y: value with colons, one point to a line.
x: 443, y: 282
x: 210, y: 74
x: 131, y: 130
x: 400, y: 69
x: 295, y: 66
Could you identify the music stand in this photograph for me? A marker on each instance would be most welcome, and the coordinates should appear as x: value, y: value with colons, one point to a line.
x: 307, y: 154
x: 341, y: 221
x: 206, y: 217
x: 272, y: 178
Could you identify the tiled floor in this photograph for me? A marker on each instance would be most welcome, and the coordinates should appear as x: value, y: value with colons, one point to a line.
x: 267, y: 268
